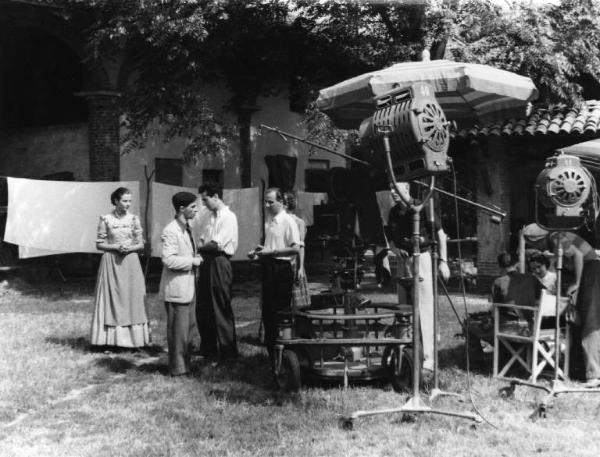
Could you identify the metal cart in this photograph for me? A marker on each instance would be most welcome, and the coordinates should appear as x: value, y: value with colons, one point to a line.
x: 344, y: 336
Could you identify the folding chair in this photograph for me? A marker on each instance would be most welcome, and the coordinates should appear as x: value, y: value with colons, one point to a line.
x: 530, y: 347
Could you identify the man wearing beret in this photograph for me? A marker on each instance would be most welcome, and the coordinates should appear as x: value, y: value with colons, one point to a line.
x: 177, y: 282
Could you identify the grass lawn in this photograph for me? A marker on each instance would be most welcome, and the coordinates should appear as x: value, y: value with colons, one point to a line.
x: 58, y: 398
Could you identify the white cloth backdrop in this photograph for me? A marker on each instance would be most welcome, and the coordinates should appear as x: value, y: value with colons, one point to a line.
x: 57, y: 217
x: 245, y: 203
x: 385, y: 203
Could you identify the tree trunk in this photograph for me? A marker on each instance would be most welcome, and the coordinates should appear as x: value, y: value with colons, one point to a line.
x: 245, y: 122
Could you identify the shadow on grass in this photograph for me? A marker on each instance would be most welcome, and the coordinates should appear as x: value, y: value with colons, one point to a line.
x: 246, y: 380
x: 251, y: 339
x: 116, y: 364
x: 456, y: 357
x: 51, y: 288
x: 82, y: 344
x: 153, y: 367
x: 125, y: 363
x: 258, y: 397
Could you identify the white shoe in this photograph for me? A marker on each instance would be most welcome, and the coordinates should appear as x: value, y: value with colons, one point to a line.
x: 428, y: 364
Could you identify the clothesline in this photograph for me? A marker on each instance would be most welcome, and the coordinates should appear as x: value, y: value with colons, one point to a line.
x: 54, y: 217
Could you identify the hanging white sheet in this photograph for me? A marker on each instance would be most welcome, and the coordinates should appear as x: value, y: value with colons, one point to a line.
x: 245, y: 203
x: 385, y: 203
x: 57, y: 217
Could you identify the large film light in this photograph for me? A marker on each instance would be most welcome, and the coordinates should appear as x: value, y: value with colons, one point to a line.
x: 417, y: 130
x: 563, y: 193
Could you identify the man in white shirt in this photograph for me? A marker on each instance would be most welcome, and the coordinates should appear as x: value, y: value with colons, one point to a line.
x: 278, y: 257
x: 217, y: 244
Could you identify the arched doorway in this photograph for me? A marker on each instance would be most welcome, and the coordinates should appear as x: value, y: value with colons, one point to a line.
x: 40, y: 76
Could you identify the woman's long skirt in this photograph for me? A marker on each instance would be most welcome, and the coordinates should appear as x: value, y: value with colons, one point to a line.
x: 119, y: 315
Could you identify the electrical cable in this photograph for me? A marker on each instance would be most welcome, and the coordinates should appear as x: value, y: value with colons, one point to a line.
x: 467, y: 192
x: 464, y: 295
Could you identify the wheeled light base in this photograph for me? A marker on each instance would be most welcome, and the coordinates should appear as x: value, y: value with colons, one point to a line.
x: 414, y: 405
x: 435, y: 393
x: 556, y: 389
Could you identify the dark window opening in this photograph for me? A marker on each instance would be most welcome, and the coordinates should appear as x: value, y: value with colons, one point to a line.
x: 169, y: 171
x: 316, y: 176
x: 212, y: 176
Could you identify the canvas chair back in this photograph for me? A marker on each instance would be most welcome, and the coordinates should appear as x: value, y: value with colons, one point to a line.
x: 531, y: 347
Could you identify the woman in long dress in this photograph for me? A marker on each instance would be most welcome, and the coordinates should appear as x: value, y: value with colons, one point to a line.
x: 119, y: 315
x: 300, y: 295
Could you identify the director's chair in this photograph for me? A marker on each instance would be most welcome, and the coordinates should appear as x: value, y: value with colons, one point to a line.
x: 531, y: 347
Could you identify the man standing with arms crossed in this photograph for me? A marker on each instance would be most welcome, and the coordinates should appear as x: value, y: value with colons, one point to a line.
x: 217, y: 244
x: 177, y: 281
x: 278, y: 257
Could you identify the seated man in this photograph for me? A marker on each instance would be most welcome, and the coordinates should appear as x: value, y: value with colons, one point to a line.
x: 522, y: 289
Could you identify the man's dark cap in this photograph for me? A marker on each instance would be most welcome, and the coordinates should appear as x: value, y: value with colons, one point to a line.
x: 183, y: 199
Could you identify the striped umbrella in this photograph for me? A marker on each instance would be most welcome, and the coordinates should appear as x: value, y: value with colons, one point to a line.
x: 468, y: 93
x: 588, y: 152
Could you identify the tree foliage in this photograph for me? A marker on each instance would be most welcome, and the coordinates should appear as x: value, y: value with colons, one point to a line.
x: 350, y: 38
x: 174, y: 47
x: 555, y: 45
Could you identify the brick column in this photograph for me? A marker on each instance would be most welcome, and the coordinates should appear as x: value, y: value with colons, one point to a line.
x: 104, y: 151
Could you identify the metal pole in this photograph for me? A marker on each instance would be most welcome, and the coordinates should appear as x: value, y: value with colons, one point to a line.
x: 494, y: 211
x: 559, y: 266
x: 313, y: 144
x: 416, y: 297
x: 434, y: 276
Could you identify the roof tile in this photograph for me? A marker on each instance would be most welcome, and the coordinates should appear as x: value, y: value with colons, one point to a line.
x: 566, y: 120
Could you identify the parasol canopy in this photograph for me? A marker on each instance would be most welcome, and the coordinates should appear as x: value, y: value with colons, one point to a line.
x: 588, y: 152
x: 468, y: 93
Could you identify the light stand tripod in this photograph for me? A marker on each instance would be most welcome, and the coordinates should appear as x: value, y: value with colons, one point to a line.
x: 557, y: 386
x: 415, y: 403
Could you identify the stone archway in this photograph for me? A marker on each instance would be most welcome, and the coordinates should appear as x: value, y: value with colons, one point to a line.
x: 41, y: 75
x: 54, y: 83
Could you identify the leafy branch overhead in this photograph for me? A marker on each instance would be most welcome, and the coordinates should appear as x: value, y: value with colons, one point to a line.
x: 173, y: 51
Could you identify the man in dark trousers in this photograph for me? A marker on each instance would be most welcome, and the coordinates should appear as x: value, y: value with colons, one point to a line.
x: 278, y: 257
x: 217, y: 244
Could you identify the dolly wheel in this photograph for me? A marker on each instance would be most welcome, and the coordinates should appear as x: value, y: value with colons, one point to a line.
x: 398, y: 362
x: 507, y: 392
x: 346, y: 423
x: 288, y: 378
x: 538, y: 413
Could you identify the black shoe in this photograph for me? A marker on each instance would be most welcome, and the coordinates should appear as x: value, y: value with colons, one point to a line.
x: 178, y: 375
